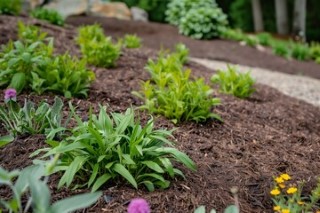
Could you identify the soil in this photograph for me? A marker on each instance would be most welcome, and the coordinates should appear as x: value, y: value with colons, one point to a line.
x: 259, y: 137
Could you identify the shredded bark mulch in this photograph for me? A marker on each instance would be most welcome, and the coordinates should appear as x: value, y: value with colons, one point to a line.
x: 259, y: 137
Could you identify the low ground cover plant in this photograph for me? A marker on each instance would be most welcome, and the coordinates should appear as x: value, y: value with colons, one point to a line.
x: 287, y: 196
x: 200, y: 19
x: 131, y: 41
x: 10, y: 7
x: 300, y: 51
x: 181, y: 52
x: 106, y: 148
x: 30, y: 182
x: 30, y: 119
x: 96, y: 48
x: 30, y: 64
x: 233, y: 82
x: 171, y: 92
x: 49, y: 15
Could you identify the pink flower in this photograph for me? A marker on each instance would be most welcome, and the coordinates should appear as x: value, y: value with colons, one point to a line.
x: 138, y: 205
x: 10, y: 94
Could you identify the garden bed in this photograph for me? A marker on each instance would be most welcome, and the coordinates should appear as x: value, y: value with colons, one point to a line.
x: 259, y: 137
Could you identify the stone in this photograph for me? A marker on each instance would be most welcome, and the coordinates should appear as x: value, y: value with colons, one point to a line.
x: 139, y: 14
x: 69, y: 7
x: 110, y: 9
x: 28, y: 5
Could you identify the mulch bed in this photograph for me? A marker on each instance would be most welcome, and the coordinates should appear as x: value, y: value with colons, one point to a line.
x: 259, y: 137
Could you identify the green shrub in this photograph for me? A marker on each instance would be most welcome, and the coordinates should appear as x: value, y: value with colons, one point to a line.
x: 232, y: 34
x: 281, y: 48
x: 299, y: 51
x: 181, y: 52
x: 251, y: 40
x: 49, y: 15
x: 232, y: 82
x: 199, y: 19
x: 106, y: 148
x: 10, y: 7
x: 30, y: 33
x: 171, y: 93
x: 264, y: 39
x: 132, y: 41
x: 31, y: 119
x: 29, y: 183
x: 29, y: 64
x: 314, y: 50
x: 97, y: 49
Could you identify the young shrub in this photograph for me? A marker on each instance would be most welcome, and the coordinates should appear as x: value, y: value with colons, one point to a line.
x: 232, y: 82
x: 264, y: 39
x: 49, y: 15
x: 182, y: 53
x: 171, y: 93
x: 251, y: 40
x: 300, y: 51
x: 287, y: 196
x: 29, y: 182
x: 104, y: 149
x: 30, y: 119
x: 132, y: 41
x: 236, y: 35
x: 30, y: 33
x: 315, y: 50
x: 200, y: 19
x: 10, y: 7
x: 97, y: 49
x: 281, y: 48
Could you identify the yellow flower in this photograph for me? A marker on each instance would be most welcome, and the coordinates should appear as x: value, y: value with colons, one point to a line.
x: 279, y: 180
x: 275, y: 192
x: 285, y: 211
x: 285, y: 176
x: 292, y: 190
x: 276, y: 208
x: 282, y: 186
x: 301, y: 203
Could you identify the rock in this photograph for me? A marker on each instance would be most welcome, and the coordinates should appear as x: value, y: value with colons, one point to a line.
x: 111, y: 9
x: 139, y: 14
x: 69, y: 7
x: 28, y: 5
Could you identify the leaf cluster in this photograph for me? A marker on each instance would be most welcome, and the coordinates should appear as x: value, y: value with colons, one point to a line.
x: 97, y: 49
x: 171, y: 92
x: 30, y: 64
x: 315, y: 51
x: 232, y: 82
x: 52, y: 16
x: 199, y: 19
x: 10, y: 7
x: 106, y: 148
x: 131, y: 41
x: 32, y: 119
x: 29, y: 182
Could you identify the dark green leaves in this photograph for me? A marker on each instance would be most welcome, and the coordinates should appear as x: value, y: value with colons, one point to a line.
x: 51, y: 16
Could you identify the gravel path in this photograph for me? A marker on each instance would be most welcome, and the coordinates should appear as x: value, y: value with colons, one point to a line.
x: 300, y: 87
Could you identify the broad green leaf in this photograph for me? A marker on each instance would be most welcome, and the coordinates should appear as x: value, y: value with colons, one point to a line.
x: 40, y: 195
x: 231, y: 209
x: 73, y: 168
x: 100, y: 181
x: 93, y: 174
x: 154, y: 166
x: 125, y: 173
x: 4, y: 140
x: 200, y: 209
x: 149, y: 185
x: 18, y: 81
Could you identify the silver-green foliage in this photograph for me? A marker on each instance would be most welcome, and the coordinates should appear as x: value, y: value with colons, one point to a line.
x: 105, y: 148
x: 31, y: 119
x: 199, y: 19
x: 235, y: 83
x: 96, y: 48
x: 29, y: 182
x: 171, y: 92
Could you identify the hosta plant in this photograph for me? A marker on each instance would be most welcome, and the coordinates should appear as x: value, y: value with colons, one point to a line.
x: 30, y: 183
x: 131, y: 41
x: 49, y: 15
x: 107, y: 148
x: 235, y: 83
x: 171, y: 92
x: 287, y: 196
x: 97, y: 49
x: 10, y: 7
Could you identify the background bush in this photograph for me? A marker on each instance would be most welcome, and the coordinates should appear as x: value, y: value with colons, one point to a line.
x: 51, y: 16
x: 10, y: 7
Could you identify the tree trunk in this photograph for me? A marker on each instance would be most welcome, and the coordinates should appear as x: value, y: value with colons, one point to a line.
x: 257, y: 15
x: 282, y: 17
x: 299, y: 19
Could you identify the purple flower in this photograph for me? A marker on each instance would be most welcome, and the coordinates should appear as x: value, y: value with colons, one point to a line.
x: 10, y: 94
x: 138, y: 205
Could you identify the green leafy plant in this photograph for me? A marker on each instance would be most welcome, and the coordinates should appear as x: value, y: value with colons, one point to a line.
x: 105, y: 148
x: 30, y: 119
x: 10, y: 7
x: 251, y: 40
x: 315, y: 50
x: 232, y: 34
x: 30, y: 33
x: 28, y: 182
x: 171, y: 92
x: 199, y: 19
x: 264, y: 39
x: 232, y: 82
x: 281, y: 48
x: 97, y: 49
x: 181, y: 52
x: 300, y: 51
x: 132, y: 41
x: 287, y: 196
x: 49, y: 15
